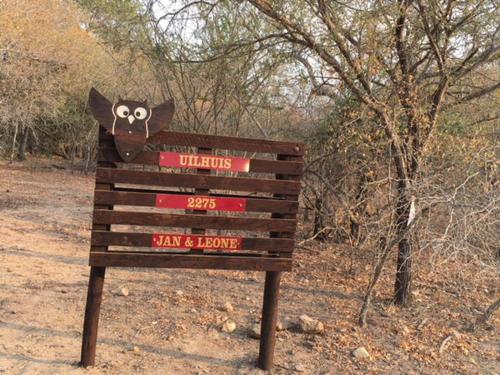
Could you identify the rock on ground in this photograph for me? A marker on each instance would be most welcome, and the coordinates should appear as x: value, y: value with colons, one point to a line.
x: 299, y: 367
x: 228, y: 307
x: 228, y: 326
x: 361, y: 353
x: 284, y: 325
x: 255, y: 331
x: 310, y: 325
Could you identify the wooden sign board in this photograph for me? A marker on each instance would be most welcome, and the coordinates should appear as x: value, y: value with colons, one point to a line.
x: 251, y: 202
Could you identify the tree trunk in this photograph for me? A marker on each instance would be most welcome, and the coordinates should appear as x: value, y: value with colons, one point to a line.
x: 354, y: 228
x: 318, y: 219
x: 359, y: 212
x: 72, y: 158
x: 21, y: 152
x: 402, y: 286
x: 88, y: 153
x: 14, y: 140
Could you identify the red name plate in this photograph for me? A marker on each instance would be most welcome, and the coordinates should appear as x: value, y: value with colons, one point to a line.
x: 183, y: 241
x: 200, y: 202
x: 221, y: 163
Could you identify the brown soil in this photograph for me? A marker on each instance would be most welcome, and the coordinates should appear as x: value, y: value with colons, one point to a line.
x: 170, y: 322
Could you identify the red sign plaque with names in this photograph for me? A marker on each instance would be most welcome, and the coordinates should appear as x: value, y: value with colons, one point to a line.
x: 200, y: 202
x: 183, y: 241
x: 203, y: 161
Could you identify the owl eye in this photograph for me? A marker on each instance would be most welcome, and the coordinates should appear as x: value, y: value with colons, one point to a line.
x: 140, y: 113
x: 122, y: 111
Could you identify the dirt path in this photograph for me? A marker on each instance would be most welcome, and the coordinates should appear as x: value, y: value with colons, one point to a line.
x: 170, y: 321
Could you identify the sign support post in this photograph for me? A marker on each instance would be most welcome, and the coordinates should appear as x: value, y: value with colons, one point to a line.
x: 92, y: 309
x: 269, y: 319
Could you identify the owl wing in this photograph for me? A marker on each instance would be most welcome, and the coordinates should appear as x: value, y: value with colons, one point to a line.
x: 161, y: 117
x: 101, y: 108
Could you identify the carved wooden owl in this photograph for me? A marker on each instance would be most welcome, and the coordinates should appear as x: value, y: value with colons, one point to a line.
x: 130, y: 122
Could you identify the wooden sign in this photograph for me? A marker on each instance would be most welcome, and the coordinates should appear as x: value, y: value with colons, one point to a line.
x: 201, y: 202
x: 167, y: 213
x: 201, y: 161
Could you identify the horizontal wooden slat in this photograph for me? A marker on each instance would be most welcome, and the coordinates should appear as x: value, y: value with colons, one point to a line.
x: 104, y: 238
x: 193, y: 221
x: 111, y: 175
x: 109, y: 153
x: 162, y: 260
x: 275, y: 166
x: 256, y: 165
x: 149, y: 200
x: 171, y: 138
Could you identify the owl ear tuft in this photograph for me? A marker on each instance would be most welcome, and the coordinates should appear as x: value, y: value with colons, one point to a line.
x: 120, y: 99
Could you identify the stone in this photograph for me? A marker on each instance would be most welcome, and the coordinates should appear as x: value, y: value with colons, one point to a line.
x: 124, y: 292
x: 228, y: 307
x: 284, y: 325
x: 361, y: 353
x: 310, y: 325
x: 255, y: 331
x: 180, y: 293
x: 136, y: 350
x: 228, y: 326
x: 299, y: 367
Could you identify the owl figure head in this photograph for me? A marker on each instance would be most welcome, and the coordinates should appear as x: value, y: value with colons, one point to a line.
x: 130, y: 122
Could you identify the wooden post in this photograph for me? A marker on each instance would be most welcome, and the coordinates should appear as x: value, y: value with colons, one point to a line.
x: 269, y: 320
x: 91, y: 322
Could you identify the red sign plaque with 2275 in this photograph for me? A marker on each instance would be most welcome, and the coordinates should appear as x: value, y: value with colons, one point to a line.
x: 200, y: 202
